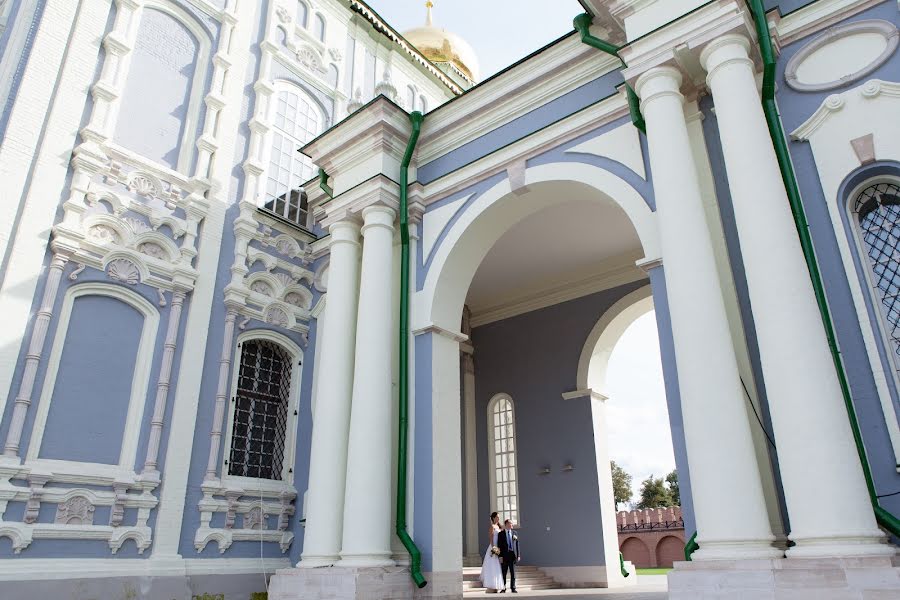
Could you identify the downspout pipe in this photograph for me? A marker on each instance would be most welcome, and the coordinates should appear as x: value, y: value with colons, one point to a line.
x: 415, y: 556
x: 323, y: 183
x: 582, y: 25
x: 885, y: 519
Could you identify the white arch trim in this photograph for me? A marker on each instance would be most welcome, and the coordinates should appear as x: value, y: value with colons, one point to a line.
x: 469, y: 239
x: 597, y: 350
x: 139, y: 382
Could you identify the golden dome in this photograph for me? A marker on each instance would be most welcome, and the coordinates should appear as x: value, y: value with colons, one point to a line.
x: 441, y: 46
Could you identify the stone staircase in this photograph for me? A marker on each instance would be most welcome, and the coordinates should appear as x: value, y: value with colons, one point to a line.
x: 527, y: 579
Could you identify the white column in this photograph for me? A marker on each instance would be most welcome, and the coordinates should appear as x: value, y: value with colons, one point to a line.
x: 724, y: 471
x: 367, y: 506
x: 471, y: 458
x: 328, y: 455
x: 824, y: 488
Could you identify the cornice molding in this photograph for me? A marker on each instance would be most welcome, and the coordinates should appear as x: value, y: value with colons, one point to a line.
x: 814, y: 18
x: 834, y: 103
x: 378, y: 190
x: 542, y: 78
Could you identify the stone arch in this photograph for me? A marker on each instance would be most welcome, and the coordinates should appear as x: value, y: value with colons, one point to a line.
x: 490, y: 215
x: 594, y: 360
x: 636, y: 551
x: 668, y: 550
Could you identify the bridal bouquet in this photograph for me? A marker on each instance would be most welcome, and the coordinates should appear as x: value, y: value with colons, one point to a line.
x: 495, y: 550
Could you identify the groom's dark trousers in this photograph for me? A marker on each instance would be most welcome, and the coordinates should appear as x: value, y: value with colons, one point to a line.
x: 509, y: 554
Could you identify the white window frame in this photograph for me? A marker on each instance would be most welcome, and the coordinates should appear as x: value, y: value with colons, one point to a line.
x: 881, y: 324
x: 285, y: 86
x: 140, y: 383
x: 312, y: 27
x: 187, y: 144
x: 492, y: 453
x: 305, y: 23
x: 288, y: 470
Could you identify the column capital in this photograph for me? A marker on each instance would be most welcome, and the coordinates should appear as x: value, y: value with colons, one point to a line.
x: 376, y: 191
x: 378, y: 215
x: 728, y: 49
x: 659, y: 82
x: 344, y: 231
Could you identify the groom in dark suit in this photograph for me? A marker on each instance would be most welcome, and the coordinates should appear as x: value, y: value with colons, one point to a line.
x: 508, y: 543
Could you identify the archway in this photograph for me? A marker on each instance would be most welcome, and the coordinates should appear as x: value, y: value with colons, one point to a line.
x: 445, y: 282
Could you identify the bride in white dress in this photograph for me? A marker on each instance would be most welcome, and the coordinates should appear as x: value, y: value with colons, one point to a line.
x: 491, y: 573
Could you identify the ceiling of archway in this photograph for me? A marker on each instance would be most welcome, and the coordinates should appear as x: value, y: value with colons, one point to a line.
x: 565, y: 246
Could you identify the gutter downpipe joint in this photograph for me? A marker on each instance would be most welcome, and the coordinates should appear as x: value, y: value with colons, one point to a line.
x: 415, y: 555
x: 885, y: 519
x: 582, y: 24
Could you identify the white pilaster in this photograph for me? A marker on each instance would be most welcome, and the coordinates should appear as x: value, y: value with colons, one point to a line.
x: 821, y: 473
x: 367, y: 504
x: 471, y: 449
x: 717, y: 431
x: 328, y: 454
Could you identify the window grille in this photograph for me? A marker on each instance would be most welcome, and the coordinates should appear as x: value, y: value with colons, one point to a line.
x: 296, y: 122
x: 878, y: 210
x: 260, y: 411
x: 503, y: 459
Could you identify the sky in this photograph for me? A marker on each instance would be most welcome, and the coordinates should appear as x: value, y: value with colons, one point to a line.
x: 501, y: 31
x: 640, y: 440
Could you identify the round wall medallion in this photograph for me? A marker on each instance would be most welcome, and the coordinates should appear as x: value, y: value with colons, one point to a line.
x: 841, y: 55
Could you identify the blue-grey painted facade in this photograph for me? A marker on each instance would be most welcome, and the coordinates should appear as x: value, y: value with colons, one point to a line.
x: 796, y: 108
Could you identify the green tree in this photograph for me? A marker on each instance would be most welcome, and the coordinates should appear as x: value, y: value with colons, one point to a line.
x: 621, y: 483
x: 674, y: 492
x: 654, y: 493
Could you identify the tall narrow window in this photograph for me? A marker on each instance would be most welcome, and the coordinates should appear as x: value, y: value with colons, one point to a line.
x: 302, y: 13
x: 261, y: 404
x: 877, y: 208
x: 296, y: 122
x: 504, y: 475
x: 319, y: 27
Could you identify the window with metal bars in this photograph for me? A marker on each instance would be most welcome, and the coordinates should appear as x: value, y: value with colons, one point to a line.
x: 261, y: 402
x: 296, y: 121
x: 877, y: 208
x: 504, y: 480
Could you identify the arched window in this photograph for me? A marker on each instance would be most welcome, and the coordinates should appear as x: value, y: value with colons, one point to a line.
x: 261, y: 410
x: 162, y: 97
x: 333, y: 75
x: 877, y: 208
x: 296, y: 120
x: 502, y: 458
x: 319, y: 27
x: 302, y: 13
x: 423, y: 104
x: 410, y: 97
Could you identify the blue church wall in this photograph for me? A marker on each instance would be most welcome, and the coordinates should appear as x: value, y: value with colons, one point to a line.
x: 796, y: 108
x: 786, y: 6
x: 101, y: 345
x: 15, y: 14
x: 673, y: 393
x: 554, y: 509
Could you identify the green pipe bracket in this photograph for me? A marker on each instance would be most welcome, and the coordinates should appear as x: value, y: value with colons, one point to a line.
x: 582, y: 24
x: 323, y: 183
x: 885, y: 519
x: 415, y: 556
x: 691, y: 547
x: 622, y: 568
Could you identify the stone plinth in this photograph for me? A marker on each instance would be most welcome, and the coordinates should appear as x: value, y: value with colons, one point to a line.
x: 362, y: 583
x: 786, y: 579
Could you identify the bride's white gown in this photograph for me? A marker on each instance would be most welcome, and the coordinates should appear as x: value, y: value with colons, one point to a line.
x: 491, y: 573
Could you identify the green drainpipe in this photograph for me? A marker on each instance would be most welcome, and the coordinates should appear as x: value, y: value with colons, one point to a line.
x: 622, y: 568
x: 323, y: 183
x: 885, y: 519
x: 403, y: 376
x: 582, y: 25
x: 691, y: 547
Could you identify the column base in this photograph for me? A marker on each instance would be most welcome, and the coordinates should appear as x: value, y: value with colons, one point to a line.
x: 371, y: 583
x: 737, y: 550
x: 361, y: 561
x: 785, y: 578
x: 316, y: 561
x: 867, y: 544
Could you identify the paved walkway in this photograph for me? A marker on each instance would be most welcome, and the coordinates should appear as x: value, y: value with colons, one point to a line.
x: 649, y: 587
